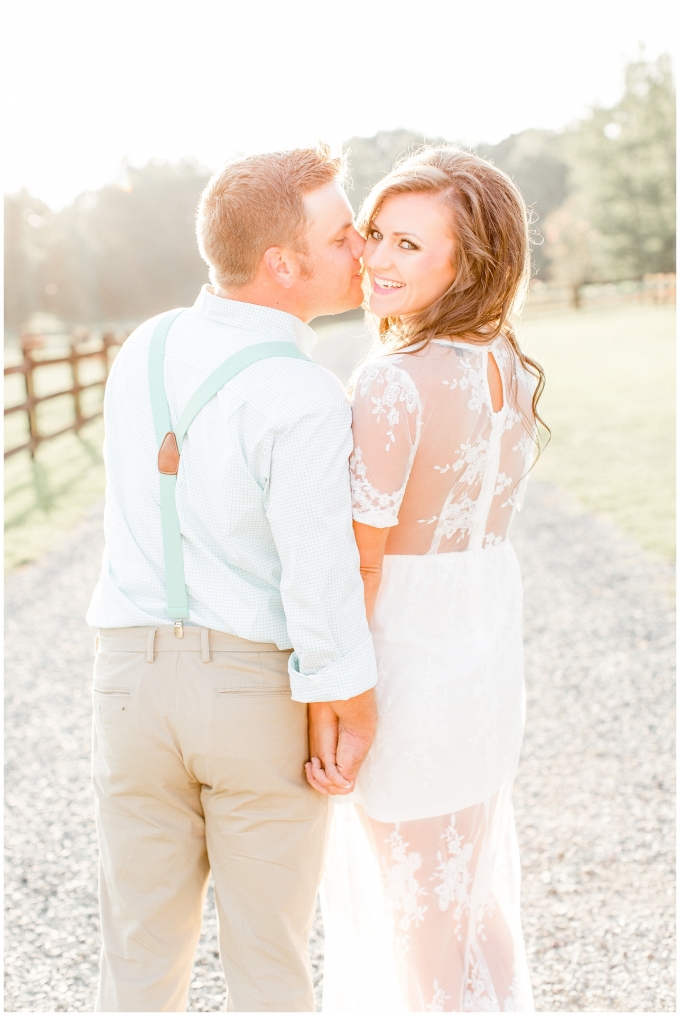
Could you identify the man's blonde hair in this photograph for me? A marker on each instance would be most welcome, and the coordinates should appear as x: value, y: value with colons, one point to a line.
x: 255, y: 203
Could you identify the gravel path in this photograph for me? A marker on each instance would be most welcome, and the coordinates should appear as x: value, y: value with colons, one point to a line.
x: 594, y: 799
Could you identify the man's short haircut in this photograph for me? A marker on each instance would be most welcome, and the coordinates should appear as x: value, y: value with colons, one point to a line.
x: 255, y: 203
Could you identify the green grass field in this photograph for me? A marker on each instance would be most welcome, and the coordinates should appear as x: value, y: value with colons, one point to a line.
x: 609, y: 403
x: 43, y: 500
x: 46, y: 496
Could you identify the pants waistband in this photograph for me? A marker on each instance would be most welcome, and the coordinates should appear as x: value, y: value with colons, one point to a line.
x: 163, y: 640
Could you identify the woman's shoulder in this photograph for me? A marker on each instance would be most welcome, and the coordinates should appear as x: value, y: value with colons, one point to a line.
x: 390, y: 370
x: 508, y: 357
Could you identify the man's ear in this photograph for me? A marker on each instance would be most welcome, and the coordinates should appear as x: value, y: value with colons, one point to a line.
x: 281, y: 266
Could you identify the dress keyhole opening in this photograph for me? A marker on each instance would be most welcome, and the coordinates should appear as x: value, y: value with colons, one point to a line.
x: 495, y: 382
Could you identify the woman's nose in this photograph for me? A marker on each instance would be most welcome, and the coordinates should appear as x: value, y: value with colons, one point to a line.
x: 378, y: 256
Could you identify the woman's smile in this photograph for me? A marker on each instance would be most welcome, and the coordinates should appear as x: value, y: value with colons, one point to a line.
x: 381, y: 285
x: 408, y: 254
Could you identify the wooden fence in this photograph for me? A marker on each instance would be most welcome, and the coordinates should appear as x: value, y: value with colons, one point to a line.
x: 548, y: 297
x: 37, y: 360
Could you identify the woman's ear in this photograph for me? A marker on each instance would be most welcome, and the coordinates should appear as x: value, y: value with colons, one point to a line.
x: 281, y: 266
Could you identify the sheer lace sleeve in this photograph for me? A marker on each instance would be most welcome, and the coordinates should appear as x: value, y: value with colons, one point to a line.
x: 386, y: 420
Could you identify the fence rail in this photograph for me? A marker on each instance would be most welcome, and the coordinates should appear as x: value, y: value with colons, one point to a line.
x: 658, y: 289
x: 36, y: 361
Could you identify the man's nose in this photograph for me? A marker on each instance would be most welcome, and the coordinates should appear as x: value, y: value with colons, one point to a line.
x: 358, y: 244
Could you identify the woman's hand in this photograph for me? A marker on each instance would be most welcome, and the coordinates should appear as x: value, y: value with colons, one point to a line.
x: 340, y: 735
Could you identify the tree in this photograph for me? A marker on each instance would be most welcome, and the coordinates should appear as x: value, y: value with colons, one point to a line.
x: 27, y: 220
x: 122, y: 253
x: 372, y: 158
x: 138, y: 251
x: 573, y: 246
x: 534, y: 160
x: 622, y: 162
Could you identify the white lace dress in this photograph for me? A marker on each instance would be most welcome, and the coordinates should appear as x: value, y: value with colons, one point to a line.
x: 421, y: 891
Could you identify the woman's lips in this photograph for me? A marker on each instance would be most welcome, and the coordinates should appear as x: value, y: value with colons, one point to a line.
x: 383, y: 286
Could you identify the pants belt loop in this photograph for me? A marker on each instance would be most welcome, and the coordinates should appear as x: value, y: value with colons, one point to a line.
x: 151, y: 638
x: 96, y: 643
x: 205, y: 645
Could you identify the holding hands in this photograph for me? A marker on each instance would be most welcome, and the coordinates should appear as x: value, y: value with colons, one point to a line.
x: 340, y: 735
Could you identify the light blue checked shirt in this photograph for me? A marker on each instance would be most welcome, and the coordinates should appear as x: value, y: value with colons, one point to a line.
x: 263, y: 497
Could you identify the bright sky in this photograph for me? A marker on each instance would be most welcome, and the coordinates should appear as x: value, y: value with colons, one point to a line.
x: 89, y: 82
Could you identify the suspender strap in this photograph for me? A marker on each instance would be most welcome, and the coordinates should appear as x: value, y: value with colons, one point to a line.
x: 170, y: 442
x: 225, y: 372
x: 159, y: 401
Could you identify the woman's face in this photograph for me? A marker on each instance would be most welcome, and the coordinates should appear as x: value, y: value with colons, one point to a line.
x: 408, y: 254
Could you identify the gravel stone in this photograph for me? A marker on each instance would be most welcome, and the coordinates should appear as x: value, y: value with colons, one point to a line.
x: 594, y: 796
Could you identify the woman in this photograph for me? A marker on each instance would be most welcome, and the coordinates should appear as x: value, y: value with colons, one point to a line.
x: 422, y: 887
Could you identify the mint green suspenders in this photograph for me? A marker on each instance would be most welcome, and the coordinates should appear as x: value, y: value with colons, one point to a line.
x: 170, y: 442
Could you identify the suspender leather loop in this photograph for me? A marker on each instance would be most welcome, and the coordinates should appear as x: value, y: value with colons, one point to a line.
x: 168, y: 455
x: 170, y: 442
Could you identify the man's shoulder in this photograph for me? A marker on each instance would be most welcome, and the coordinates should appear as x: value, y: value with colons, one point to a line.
x: 140, y: 337
x: 282, y: 389
x: 287, y: 389
x: 137, y: 342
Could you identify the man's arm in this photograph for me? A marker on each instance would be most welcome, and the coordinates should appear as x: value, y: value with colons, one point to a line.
x: 309, y: 510
x: 326, y: 718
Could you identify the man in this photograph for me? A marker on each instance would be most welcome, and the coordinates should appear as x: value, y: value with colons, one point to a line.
x: 199, y: 745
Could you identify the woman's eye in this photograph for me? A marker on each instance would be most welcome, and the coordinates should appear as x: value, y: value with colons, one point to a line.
x: 407, y: 245
x: 373, y: 234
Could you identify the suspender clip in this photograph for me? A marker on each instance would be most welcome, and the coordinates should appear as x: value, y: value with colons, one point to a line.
x: 179, y: 629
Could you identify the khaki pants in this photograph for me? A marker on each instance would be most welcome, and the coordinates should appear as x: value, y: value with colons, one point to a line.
x: 198, y: 766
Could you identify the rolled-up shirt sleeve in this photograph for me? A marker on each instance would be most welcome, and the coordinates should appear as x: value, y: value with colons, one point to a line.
x: 309, y: 511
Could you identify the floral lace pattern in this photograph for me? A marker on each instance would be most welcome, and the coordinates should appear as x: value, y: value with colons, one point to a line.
x: 454, y: 873
x: 480, y: 995
x: 401, y: 885
x: 438, y: 999
x: 473, y: 377
x: 397, y: 387
x: 472, y: 456
x: 433, y: 409
x: 456, y: 517
x: 451, y: 938
x: 365, y: 498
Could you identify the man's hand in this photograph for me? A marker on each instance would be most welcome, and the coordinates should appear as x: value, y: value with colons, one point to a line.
x: 340, y: 735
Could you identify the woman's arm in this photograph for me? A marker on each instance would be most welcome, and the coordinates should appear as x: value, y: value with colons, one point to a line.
x: 371, y: 543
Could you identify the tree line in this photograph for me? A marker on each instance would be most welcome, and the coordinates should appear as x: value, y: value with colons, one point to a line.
x: 601, y: 193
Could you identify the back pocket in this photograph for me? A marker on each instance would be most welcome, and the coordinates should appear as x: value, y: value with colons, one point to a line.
x: 251, y: 673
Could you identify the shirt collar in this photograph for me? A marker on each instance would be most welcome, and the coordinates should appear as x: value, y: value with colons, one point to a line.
x: 251, y: 317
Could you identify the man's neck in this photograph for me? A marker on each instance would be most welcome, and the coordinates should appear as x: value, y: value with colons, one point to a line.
x: 261, y: 298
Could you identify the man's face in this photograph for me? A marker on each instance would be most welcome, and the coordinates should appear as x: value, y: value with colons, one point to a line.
x: 334, y: 249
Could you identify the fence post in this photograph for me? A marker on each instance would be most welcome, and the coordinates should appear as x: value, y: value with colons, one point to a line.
x: 42, y: 490
x: 110, y: 341
x: 77, y: 405
x: 33, y: 432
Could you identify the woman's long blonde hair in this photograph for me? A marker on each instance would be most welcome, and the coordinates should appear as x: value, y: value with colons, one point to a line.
x: 491, y: 256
